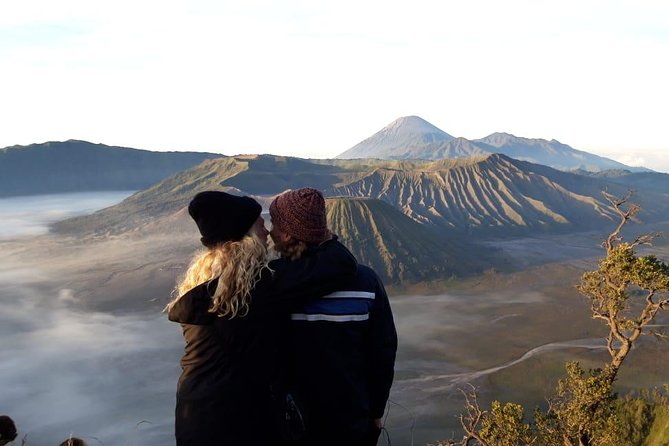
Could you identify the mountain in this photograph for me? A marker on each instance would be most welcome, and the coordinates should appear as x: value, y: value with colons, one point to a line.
x: 455, y: 148
x: 76, y: 166
x: 398, y: 248
x: 495, y: 195
x: 655, y: 181
x: 549, y: 153
x: 482, y: 196
x: 410, y: 220
x: 160, y: 200
x: 404, y: 138
x: 414, y: 138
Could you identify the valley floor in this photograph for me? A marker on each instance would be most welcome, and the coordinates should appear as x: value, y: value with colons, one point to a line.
x: 85, y: 317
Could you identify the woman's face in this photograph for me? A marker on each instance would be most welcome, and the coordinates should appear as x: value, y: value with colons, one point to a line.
x: 260, y: 230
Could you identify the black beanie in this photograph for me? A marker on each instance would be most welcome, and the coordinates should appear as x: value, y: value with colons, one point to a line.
x: 222, y: 217
x: 7, y: 428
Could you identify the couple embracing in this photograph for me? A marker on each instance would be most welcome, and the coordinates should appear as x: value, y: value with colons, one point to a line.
x: 298, y: 350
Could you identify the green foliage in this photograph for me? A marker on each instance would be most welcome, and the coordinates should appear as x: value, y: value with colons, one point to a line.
x: 659, y: 430
x: 644, y: 418
x: 505, y: 426
x: 582, y: 413
x: 607, y: 287
x: 636, y: 417
x: 584, y: 405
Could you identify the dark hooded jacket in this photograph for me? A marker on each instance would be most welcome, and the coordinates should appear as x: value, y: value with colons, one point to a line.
x: 342, y: 354
x: 223, y: 394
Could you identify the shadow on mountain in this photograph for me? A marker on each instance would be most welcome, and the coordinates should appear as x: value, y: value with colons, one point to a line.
x: 398, y: 248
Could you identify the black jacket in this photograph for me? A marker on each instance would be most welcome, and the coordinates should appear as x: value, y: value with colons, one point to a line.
x: 343, y: 354
x: 228, y: 365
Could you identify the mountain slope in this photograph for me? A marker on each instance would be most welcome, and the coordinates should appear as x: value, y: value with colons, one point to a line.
x: 74, y: 166
x: 399, y: 140
x: 160, y: 200
x: 398, y: 248
x: 483, y: 196
x: 256, y: 175
x: 455, y: 148
x: 493, y: 195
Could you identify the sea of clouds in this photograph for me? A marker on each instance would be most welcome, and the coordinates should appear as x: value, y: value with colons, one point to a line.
x: 94, y: 375
x: 31, y: 215
x: 109, y: 379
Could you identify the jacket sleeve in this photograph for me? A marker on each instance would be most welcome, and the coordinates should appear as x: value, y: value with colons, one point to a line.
x: 383, y: 347
x: 193, y: 307
x: 318, y: 273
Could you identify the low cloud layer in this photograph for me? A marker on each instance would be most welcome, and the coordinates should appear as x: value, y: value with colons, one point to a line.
x: 95, y: 375
x: 20, y: 216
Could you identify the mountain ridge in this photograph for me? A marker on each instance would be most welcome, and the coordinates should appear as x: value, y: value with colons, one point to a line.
x: 495, y: 194
x: 75, y: 165
x: 411, y: 220
x: 486, y: 195
x: 416, y: 144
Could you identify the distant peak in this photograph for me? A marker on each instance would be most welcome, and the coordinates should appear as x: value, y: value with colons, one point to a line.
x: 413, y: 124
x: 409, y: 119
x: 499, y: 137
x: 400, y: 139
x: 79, y: 141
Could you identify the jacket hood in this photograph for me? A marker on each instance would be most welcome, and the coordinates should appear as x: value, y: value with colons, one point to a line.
x: 193, y: 307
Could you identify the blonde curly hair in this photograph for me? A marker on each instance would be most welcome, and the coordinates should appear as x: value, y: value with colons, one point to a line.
x: 236, y: 264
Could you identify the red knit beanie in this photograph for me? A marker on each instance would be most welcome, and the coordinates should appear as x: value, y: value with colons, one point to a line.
x: 300, y: 213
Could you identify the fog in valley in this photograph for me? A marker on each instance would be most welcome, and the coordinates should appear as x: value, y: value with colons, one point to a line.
x: 93, y: 374
x: 71, y: 362
x: 87, y: 350
x: 31, y: 215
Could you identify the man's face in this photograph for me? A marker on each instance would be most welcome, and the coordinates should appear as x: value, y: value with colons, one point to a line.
x: 279, y: 238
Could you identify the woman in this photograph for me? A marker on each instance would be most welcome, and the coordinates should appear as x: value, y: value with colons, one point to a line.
x: 231, y: 306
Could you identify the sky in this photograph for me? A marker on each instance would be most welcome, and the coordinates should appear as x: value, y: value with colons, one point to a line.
x: 313, y: 78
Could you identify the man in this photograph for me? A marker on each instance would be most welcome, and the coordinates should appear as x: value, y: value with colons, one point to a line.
x: 342, y: 345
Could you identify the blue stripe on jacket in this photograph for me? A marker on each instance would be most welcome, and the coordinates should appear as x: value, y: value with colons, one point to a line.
x: 341, y: 303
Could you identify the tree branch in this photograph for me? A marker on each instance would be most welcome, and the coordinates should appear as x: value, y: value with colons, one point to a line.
x: 471, y: 421
x: 646, y: 239
x: 617, y: 203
